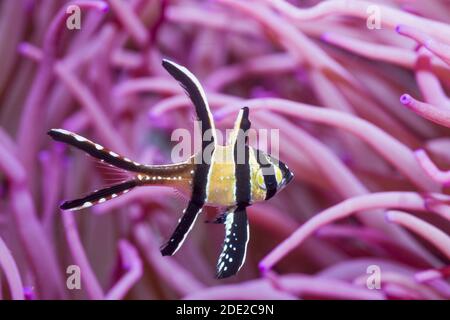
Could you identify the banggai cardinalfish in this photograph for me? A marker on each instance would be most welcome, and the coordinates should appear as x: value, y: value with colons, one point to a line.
x: 243, y: 176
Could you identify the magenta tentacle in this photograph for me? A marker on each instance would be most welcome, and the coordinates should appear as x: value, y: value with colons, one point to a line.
x: 365, y: 130
x: 430, y: 168
x: 88, y: 277
x: 391, y: 17
x: 12, y: 275
x: 433, y: 113
x: 439, y: 49
x: 437, y: 237
x: 132, y: 264
x: 35, y: 100
x: 400, y: 200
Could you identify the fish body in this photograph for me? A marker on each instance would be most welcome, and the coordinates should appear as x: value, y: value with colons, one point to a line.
x: 233, y: 176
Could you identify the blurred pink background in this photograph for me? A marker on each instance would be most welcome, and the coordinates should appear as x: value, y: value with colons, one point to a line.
x: 359, y: 92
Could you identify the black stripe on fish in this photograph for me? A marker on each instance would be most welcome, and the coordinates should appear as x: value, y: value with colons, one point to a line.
x: 241, y: 154
x: 268, y: 171
x: 198, y: 199
x: 203, y: 164
x: 235, y: 243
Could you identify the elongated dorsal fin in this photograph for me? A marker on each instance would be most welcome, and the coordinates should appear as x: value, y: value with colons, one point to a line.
x: 197, y: 95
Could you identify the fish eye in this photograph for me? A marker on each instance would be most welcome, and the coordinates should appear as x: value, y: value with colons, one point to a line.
x: 260, y: 180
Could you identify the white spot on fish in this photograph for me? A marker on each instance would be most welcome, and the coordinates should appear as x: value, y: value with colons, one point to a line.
x: 87, y: 204
x: 80, y: 138
x: 63, y: 131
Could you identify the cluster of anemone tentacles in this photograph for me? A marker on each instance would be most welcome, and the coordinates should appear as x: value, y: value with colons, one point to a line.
x: 358, y: 90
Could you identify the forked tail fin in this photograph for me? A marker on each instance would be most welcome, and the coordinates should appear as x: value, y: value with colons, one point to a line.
x: 146, y: 174
x: 99, y: 152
